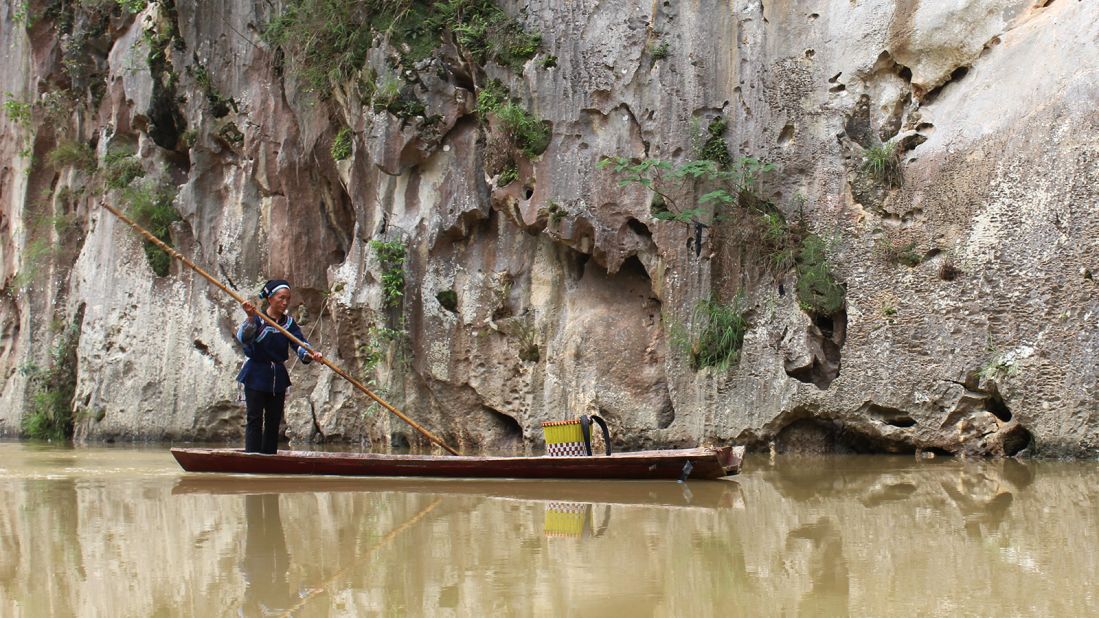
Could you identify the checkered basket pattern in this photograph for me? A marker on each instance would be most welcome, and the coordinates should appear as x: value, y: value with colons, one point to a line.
x: 564, y: 439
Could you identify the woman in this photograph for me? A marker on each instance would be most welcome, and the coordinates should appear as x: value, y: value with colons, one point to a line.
x: 264, y: 374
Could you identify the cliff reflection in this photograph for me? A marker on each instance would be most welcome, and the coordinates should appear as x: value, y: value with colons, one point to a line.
x: 828, y: 536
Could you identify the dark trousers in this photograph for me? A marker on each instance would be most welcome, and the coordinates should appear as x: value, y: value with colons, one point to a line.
x: 261, y: 433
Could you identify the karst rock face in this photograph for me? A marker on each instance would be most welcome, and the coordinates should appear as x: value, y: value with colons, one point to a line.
x: 536, y: 286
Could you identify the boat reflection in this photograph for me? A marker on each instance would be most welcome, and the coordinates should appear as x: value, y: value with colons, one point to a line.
x: 707, y: 495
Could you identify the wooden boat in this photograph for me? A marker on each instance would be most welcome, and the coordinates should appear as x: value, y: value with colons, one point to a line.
x: 694, y: 463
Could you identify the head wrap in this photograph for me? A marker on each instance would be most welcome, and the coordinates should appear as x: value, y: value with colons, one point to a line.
x: 273, y: 286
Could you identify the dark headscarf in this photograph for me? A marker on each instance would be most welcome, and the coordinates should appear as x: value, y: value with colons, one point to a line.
x: 273, y: 286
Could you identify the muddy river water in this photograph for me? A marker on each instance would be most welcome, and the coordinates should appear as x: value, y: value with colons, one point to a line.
x: 122, y: 531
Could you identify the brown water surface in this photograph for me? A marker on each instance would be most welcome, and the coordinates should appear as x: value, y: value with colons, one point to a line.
x: 124, y: 532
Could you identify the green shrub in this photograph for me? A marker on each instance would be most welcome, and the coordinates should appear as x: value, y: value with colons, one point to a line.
x: 132, y: 6
x: 486, y: 32
x: 372, y: 351
x: 392, y: 255
x: 883, y: 162
x: 36, y: 256
x: 817, y: 290
x: 50, y: 415
x: 529, y: 134
x: 898, y: 252
x: 491, y: 97
x: 18, y: 111
x: 527, y: 336
x: 341, y: 145
x: 120, y: 168
x: 328, y: 40
x: 72, y: 153
x: 715, y: 149
x: 508, y: 176
x: 721, y: 338
x: 660, y: 52
x: 673, y: 185
x: 150, y: 205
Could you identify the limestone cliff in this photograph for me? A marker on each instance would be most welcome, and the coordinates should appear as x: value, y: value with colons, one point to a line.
x: 942, y: 158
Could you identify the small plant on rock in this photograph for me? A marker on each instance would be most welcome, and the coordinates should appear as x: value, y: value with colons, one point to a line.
x: 18, y: 111
x: 151, y: 206
x: 392, y: 255
x: 341, y: 145
x: 508, y: 175
x: 50, y: 416
x: 661, y: 51
x: 883, y: 163
x: 72, y: 153
x: 817, y: 290
x: 896, y: 251
x: 721, y: 337
x: 120, y: 168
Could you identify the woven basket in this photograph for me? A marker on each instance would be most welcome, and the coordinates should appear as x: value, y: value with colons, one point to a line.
x: 564, y: 438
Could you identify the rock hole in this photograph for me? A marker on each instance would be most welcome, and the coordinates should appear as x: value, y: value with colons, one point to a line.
x: 824, y: 437
x: 399, y: 441
x: 948, y: 271
x: 202, y: 347
x: 955, y: 76
x: 1017, y: 440
x: 809, y: 53
x: 502, y: 431
x: 900, y: 421
x: 837, y: 88
x: 835, y: 78
x: 666, y: 416
x: 997, y: 407
x: 825, y: 339
x: 639, y: 228
x: 813, y: 15
x: 448, y: 299
x: 786, y: 135
x: 528, y: 192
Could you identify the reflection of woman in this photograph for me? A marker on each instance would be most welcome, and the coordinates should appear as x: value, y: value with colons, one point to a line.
x: 266, y: 560
x: 264, y: 374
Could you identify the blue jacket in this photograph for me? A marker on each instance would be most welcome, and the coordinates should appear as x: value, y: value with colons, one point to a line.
x: 267, y: 351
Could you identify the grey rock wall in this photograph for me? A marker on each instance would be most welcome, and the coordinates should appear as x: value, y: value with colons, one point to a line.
x: 569, y: 292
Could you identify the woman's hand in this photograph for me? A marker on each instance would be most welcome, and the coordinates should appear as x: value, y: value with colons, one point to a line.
x: 315, y: 355
x: 249, y: 309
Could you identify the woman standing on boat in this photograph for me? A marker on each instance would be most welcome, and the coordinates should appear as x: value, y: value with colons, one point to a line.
x: 264, y: 374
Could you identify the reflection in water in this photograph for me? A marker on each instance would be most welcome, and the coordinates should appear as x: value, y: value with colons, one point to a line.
x: 829, y: 593
x: 126, y: 533
x: 575, y: 520
x: 266, y: 560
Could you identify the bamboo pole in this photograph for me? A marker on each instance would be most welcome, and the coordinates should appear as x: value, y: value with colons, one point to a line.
x: 240, y: 299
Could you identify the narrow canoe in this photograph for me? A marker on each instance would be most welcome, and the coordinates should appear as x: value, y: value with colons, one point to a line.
x: 704, y: 463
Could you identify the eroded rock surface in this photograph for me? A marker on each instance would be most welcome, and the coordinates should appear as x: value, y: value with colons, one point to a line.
x: 559, y: 293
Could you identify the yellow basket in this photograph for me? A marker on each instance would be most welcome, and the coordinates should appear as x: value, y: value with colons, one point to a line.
x: 564, y: 438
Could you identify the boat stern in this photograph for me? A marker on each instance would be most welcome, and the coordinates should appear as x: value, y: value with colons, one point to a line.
x: 730, y: 458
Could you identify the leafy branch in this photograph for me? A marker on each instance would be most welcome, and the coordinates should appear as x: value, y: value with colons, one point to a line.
x: 673, y: 186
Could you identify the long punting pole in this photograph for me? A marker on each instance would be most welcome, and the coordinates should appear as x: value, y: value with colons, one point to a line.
x: 240, y: 299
